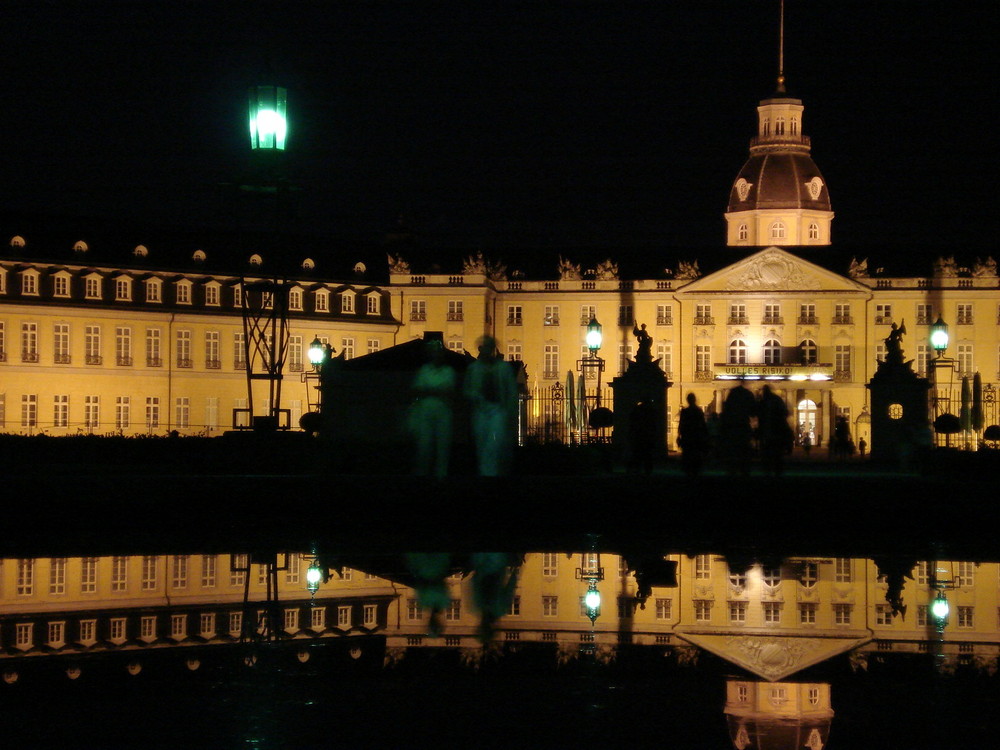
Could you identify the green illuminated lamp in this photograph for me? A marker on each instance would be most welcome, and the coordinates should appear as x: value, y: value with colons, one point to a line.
x: 592, y: 601
x: 314, y: 574
x: 940, y: 608
x: 594, y: 336
x: 939, y: 336
x: 268, y: 118
x: 316, y: 353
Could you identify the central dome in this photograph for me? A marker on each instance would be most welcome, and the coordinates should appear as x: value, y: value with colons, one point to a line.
x: 782, y: 179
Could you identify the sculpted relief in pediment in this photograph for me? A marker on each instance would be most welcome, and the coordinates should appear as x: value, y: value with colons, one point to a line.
x: 772, y: 271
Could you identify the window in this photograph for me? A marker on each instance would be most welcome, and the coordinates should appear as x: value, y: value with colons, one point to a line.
x: 88, y: 575
x: 344, y: 616
x: 235, y: 623
x: 842, y: 614
x: 455, y: 310
x: 29, y: 282
x: 738, y: 315
x: 92, y: 345
x: 807, y: 314
x: 456, y: 345
x: 147, y: 627
x: 842, y: 360
x: 771, y: 576
x: 92, y: 287
x: 413, y: 610
x: 587, y: 313
x: 182, y: 412
x: 737, y: 352
x: 966, y: 616
x: 88, y: 632
x: 513, y: 315
x: 183, y: 293
x: 123, y: 346
x: 514, y: 352
x: 664, y: 315
x: 25, y: 577
x: 57, y: 576
x: 149, y: 570
x: 60, y: 344
x: 703, y: 567
x: 663, y: 609
x: 183, y: 348
x: 703, y: 315
x: 742, y: 233
x: 772, y: 612
x: 964, y: 314
x: 212, y: 296
x: 809, y: 352
x: 551, y: 315
x: 347, y: 347
x: 814, y: 227
x: 807, y: 613
x: 60, y: 286
x: 964, y: 361
x: 737, y: 612
x: 24, y: 635
x: 883, y: 614
x: 3, y: 342
x: 702, y: 610
x: 91, y: 412
x: 883, y: 313
x: 772, y: 314
x: 842, y: 314
x: 60, y: 411
x: 772, y: 352
x: 29, y: 410
x: 206, y: 624
x: 347, y: 302
x: 624, y: 356
x: 703, y: 359
x: 514, y: 608
x: 778, y: 231
x: 317, y: 618
x: 550, y: 564
x: 373, y: 304
x: 809, y: 575
x: 625, y: 315
x: 369, y: 613
x: 239, y: 351
x: 322, y: 300
x: 178, y: 626
x: 293, y: 567
x: 418, y: 309
x: 123, y: 289
x: 550, y: 606
x: 290, y: 621
x: 925, y: 315
x: 842, y: 570
x: 779, y: 125
x: 209, y: 566
x: 152, y: 412
x: 152, y: 290
x: 551, y: 361
x: 965, y: 573
x: 213, y: 359
x: 119, y: 573
x: 238, y: 566
x: 153, y: 357
x: 116, y: 629
x: 179, y: 572
x: 664, y: 353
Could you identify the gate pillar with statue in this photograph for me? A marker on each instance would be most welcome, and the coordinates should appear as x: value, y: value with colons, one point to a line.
x: 640, y: 403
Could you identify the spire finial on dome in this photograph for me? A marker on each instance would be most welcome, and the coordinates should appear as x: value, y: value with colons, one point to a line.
x: 781, y: 49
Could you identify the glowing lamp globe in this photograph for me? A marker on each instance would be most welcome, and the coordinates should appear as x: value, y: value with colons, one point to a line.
x: 940, y: 608
x: 939, y: 336
x: 592, y: 599
x: 313, y: 577
x: 594, y: 336
x: 268, y: 118
x: 316, y: 353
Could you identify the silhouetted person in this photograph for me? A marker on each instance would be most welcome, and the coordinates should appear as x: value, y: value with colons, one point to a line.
x: 642, y: 436
x: 692, y: 437
x: 807, y: 442
x: 492, y: 392
x: 735, y: 430
x: 775, y: 434
x: 431, y: 414
x: 862, y: 447
x: 841, y: 444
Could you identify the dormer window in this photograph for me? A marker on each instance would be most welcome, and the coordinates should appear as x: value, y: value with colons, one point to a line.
x: 17, y: 241
x: 238, y: 295
x: 294, y: 299
x: 183, y: 292
x: 347, y: 302
x: 374, y: 303
x: 123, y: 289
x: 92, y: 287
x: 322, y: 300
x: 29, y: 282
x: 212, y: 293
x: 3, y: 280
x: 60, y: 284
x: 153, y: 290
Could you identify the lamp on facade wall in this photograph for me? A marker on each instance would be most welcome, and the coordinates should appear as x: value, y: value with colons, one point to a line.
x: 268, y: 118
x: 939, y: 336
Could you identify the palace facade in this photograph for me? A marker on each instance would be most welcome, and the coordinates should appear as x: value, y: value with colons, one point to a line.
x: 148, y: 341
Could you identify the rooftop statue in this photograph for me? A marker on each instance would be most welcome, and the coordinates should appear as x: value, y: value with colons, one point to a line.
x: 985, y: 268
x: 397, y: 264
x: 569, y: 271
x: 606, y: 270
x: 858, y: 269
x: 687, y: 270
x: 480, y: 264
x: 945, y: 267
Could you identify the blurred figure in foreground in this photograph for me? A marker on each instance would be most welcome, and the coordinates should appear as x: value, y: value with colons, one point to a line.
x: 735, y: 430
x: 776, y: 436
x: 492, y: 392
x: 692, y: 437
x: 430, y: 418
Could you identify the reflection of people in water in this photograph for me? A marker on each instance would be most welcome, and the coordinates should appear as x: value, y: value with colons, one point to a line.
x: 430, y: 416
x: 492, y: 391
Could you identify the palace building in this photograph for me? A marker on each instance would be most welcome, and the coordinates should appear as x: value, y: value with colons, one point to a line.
x: 112, y: 338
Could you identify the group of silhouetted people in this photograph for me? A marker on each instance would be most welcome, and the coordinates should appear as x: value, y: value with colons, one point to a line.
x: 491, y: 391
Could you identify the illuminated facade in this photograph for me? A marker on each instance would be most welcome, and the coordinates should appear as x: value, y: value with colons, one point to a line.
x: 772, y: 622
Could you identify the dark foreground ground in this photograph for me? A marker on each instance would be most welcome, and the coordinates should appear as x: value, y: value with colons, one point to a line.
x: 118, y: 496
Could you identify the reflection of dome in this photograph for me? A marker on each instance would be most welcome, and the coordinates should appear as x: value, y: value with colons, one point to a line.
x: 778, y: 715
x: 788, y: 179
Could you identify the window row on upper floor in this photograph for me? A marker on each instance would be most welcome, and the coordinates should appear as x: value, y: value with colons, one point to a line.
x: 124, y: 288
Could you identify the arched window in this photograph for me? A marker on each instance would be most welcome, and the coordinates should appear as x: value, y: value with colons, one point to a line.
x: 778, y: 230
x: 743, y: 232
x: 794, y: 126
x: 814, y: 231
x: 767, y: 127
x: 772, y: 352
x: 809, y: 351
x: 737, y: 352
x: 779, y: 126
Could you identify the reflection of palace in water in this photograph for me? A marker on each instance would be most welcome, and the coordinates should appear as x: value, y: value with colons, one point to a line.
x: 769, y: 621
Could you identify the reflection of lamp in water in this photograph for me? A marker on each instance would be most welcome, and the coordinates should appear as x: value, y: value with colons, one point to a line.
x: 590, y: 570
x: 940, y: 609
x: 268, y: 118
x: 315, y: 574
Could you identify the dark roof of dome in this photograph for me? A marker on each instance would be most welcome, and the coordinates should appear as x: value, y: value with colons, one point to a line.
x: 778, y: 180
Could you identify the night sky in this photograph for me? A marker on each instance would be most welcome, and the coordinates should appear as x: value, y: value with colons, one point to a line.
x: 504, y: 124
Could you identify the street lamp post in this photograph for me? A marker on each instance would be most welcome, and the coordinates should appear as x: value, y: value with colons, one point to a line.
x: 942, y: 368
x: 599, y: 417
x: 319, y: 354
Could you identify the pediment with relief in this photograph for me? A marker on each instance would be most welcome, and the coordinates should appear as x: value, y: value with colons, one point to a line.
x: 772, y: 657
x: 773, y: 270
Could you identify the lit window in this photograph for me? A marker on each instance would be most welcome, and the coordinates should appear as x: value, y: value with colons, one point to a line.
x: 347, y: 302
x: 206, y: 624
x: 737, y: 612
x: 778, y: 231
x: 290, y: 623
x: 322, y: 301
x: 772, y: 612
x: 344, y: 616
x: 810, y: 352
x: 212, y: 294
x: 374, y: 304
x: 178, y: 626
x: 123, y: 289
x: 814, y: 231
x: 772, y: 352
x: 737, y: 352
x: 370, y: 613
x: 807, y: 613
x: 153, y: 290
x: 663, y: 609
x: 60, y: 286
